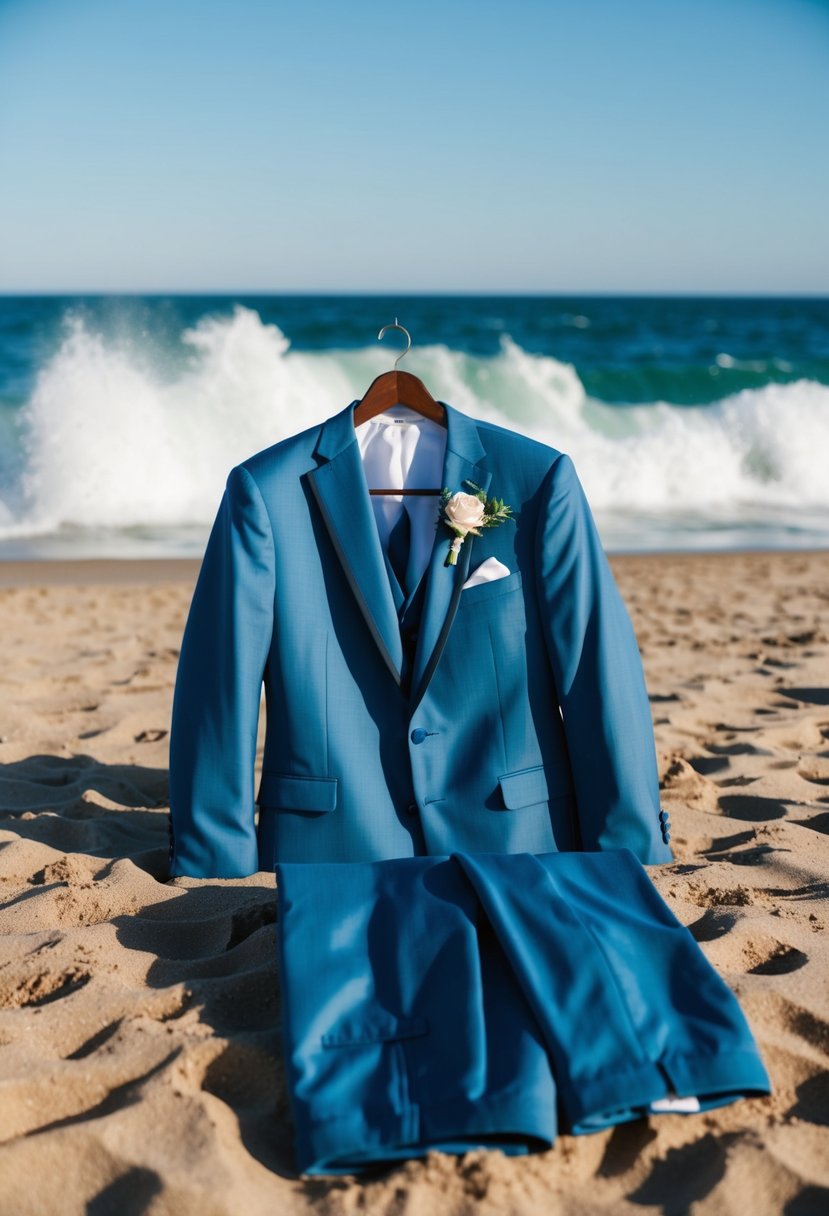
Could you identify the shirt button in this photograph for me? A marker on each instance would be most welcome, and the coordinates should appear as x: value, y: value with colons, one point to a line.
x: 418, y: 734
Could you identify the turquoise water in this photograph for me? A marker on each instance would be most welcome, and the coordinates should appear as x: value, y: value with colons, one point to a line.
x: 693, y: 423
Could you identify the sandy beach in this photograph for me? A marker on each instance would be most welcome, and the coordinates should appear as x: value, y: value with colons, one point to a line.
x: 139, y: 1017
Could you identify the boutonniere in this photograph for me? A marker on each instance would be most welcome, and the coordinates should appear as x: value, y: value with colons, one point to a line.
x: 465, y: 513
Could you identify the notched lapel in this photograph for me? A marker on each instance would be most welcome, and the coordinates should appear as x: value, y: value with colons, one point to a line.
x: 443, y: 587
x: 340, y: 489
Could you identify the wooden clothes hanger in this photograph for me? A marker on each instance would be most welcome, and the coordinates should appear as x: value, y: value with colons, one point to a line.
x: 398, y: 388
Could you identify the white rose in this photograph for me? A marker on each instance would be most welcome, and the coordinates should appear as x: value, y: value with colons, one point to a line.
x: 465, y: 511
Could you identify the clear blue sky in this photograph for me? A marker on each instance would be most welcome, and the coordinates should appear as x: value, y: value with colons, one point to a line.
x: 443, y: 145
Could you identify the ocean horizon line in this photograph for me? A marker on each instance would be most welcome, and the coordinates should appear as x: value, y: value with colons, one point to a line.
x: 355, y: 293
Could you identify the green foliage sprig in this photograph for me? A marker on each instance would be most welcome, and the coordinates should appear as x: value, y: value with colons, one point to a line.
x: 496, y: 510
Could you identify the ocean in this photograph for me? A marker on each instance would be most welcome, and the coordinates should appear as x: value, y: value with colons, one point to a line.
x: 693, y: 423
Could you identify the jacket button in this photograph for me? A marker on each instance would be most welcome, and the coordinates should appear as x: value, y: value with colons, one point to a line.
x: 411, y: 809
x: 663, y: 815
x: 418, y: 734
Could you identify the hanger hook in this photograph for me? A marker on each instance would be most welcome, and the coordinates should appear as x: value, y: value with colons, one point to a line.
x: 405, y: 331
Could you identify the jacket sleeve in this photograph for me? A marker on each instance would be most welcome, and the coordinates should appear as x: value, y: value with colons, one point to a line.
x: 218, y: 689
x: 599, y: 677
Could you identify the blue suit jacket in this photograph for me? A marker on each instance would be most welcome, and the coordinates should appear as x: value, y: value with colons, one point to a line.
x: 528, y: 726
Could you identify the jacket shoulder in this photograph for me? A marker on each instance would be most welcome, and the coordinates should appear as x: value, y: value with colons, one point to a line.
x: 293, y: 453
x: 534, y: 456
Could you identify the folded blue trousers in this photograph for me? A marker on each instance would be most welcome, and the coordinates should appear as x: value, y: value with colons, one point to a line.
x: 493, y: 1000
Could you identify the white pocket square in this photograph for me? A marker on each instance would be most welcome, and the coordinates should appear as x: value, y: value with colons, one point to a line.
x: 486, y: 572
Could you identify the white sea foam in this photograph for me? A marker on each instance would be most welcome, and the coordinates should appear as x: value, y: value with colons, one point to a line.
x: 109, y: 439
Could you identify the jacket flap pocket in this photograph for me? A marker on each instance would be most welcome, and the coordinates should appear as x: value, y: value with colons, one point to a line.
x: 524, y: 787
x: 285, y: 791
x: 375, y: 1027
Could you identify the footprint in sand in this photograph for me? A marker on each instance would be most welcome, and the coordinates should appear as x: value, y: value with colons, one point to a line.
x: 811, y: 696
x: 812, y: 1029
x: 44, y: 987
x: 737, y: 749
x: 818, y: 823
x: 712, y: 925
x: 765, y: 956
x: 815, y: 772
x: 751, y: 807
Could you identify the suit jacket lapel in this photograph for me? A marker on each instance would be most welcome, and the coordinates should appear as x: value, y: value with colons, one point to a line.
x: 340, y: 488
x: 443, y: 586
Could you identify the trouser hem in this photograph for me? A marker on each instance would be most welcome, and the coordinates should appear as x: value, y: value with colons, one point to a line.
x: 715, y: 1080
x: 346, y: 1143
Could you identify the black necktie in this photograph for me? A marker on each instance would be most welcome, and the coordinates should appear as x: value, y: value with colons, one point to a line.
x: 399, y: 544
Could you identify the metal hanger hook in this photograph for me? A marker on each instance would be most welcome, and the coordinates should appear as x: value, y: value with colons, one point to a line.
x: 397, y: 325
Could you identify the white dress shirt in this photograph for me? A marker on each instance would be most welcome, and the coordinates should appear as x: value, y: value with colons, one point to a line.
x: 402, y: 448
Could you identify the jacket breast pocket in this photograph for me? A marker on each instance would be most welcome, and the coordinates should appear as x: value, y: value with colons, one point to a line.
x: 289, y: 792
x: 481, y: 593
